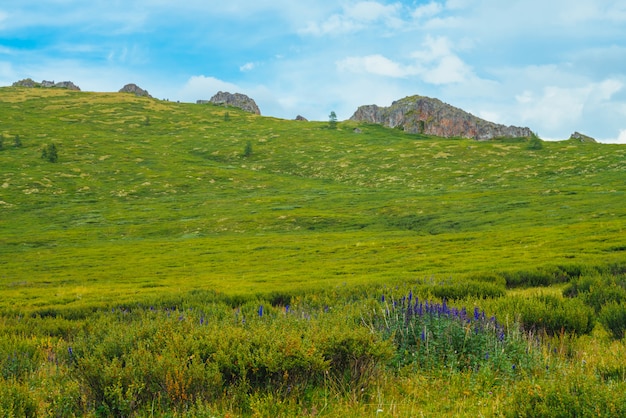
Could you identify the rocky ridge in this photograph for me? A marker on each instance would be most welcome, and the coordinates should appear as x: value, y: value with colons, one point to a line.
x: 28, y: 82
x: 425, y: 115
x: 238, y: 100
x: 135, y: 89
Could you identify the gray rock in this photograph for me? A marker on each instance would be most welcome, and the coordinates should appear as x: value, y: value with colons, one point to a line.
x: 135, y: 89
x: 301, y: 118
x: 425, y: 115
x: 238, y: 100
x: 577, y: 136
x: 67, y: 85
x: 27, y: 82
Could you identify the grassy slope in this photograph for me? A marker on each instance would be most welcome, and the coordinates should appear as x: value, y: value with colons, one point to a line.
x: 134, y: 209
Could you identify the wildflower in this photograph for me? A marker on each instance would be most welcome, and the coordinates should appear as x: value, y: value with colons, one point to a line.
x: 287, y: 308
x: 70, y: 351
x: 382, y: 298
x: 261, y: 311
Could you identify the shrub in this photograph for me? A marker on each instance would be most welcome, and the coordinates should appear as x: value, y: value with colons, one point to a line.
x: 613, y: 318
x: 436, y: 336
x: 570, y: 396
x: 16, y: 400
x: 548, y: 313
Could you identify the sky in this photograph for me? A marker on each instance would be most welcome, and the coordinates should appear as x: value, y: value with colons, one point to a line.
x: 555, y: 66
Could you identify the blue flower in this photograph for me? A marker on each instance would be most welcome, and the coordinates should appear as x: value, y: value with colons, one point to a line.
x: 260, y: 310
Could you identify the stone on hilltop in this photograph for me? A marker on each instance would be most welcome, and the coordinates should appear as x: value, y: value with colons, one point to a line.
x: 577, y: 136
x: 135, y: 89
x: 238, y: 100
x: 425, y: 115
x: 27, y: 82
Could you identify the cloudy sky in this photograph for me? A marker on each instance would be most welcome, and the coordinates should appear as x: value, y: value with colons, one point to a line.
x: 556, y: 66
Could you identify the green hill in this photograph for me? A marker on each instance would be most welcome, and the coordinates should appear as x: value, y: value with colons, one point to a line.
x: 150, y: 196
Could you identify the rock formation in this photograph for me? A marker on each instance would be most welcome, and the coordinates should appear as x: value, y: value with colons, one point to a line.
x: 577, y: 136
x: 238, y: 100
x: 135, y: 89
x: 425, y: 115
x: 27, y: 82
x: 301, y: 118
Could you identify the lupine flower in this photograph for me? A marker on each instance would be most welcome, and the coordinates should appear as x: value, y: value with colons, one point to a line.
x: 260, y: 310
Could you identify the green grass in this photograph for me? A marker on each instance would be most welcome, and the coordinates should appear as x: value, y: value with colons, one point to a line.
x: 132, y: 208
x: 220, y: 215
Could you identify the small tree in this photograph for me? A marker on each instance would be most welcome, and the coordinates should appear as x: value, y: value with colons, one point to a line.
x: 534, y: 143
x: 248, y: 150
x: 332, y: 120
x: 50, y: 153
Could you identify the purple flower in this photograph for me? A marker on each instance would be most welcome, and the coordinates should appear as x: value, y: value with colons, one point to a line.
x: 260, y: 310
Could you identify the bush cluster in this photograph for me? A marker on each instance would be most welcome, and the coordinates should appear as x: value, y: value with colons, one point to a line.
x: 435, y: 335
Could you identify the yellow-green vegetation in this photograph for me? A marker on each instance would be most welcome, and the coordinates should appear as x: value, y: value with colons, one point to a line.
x: 197, y: 260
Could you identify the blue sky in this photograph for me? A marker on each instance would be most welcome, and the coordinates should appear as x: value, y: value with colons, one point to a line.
x: 556, y: 66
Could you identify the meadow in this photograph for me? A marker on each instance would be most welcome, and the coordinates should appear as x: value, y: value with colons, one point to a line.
x: 193, y: 260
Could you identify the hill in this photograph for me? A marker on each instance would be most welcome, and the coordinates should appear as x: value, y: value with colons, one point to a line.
x: 170, y: 259
x: 151, y: 197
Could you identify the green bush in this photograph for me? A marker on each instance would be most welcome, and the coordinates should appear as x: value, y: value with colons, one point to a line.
x: 436, y: 336
x: 16, y: 400
x: 548, y: 313
x: 571, y: 396
x: 613, y: 318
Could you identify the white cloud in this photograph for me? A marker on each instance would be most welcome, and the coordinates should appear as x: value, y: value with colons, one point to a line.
x: 621, y: 138
x: 203, y: 88
x: 435, y: 64
x: 375, y: 64
x: 248, y: 66
x: 427, y: 10
x: 356, y: 17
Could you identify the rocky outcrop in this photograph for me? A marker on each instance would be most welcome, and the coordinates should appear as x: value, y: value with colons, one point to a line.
x: 135, y: 89
x: 577, y: 136
x: 27, y: 82
x: 238, y: 100
x: 425, y: 115
x: 301, y: 118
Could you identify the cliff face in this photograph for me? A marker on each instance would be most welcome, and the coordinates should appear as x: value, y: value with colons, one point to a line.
x: 425, y: 115
x: 236, y: 100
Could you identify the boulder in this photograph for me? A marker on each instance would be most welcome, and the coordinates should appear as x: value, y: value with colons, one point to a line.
x: 67, y: 85
x: 577, y: 136
x: 301, y: 118
x: 27, y: 82
x: 425, y: 115
x: 238, y: 100
x: 135, y: 89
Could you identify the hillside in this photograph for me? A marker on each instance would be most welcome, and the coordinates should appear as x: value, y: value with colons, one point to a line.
x: 151, y: 197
